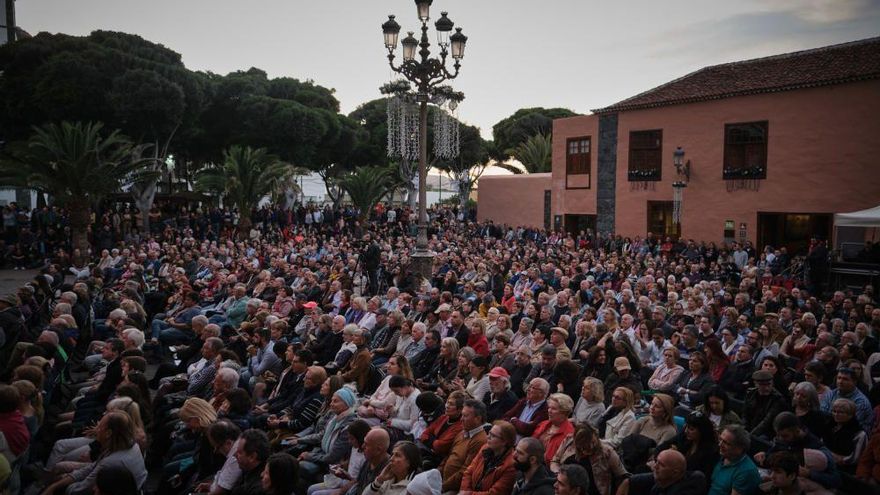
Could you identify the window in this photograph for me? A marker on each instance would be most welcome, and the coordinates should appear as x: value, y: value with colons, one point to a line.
x: 745, y: 150
x: 645, y: 155
x: 577, y: 162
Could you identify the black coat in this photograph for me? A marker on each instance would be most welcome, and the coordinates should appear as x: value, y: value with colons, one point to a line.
x: 540, y: 484
x: 288, y: 389
x: 495, y: 410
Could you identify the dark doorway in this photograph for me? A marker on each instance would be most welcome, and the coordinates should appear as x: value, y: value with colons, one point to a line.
x: 574, y: 224
x: 660, y: 220
x: 792, y: 230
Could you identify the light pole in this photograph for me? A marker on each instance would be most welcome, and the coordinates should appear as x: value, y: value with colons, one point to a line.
x: 425, y: 73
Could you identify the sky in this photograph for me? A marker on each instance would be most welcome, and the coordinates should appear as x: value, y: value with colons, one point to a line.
x: 577, y: 54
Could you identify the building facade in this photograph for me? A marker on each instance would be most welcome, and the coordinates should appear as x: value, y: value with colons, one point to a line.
x: 768, y: 150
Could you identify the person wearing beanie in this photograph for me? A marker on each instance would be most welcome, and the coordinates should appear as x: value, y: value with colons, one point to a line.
x: 330, y: 444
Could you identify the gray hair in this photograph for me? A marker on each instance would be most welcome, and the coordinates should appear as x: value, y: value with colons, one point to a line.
x: 228, y: 376
x: 71, y: 297
x: 254, y: 302
x: 200, y: 319
x: 136, y: 336
x: 543, y: 384
x: 350, y: 329
x: 810, y: 391
x: 117, y: 314
x: 741, y: 437
x: 211, y: 330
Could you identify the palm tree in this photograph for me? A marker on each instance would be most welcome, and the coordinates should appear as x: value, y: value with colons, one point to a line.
x: 75, y: 165
x: 534, y: 154
x: 245, y: 176
x: 366, y: 186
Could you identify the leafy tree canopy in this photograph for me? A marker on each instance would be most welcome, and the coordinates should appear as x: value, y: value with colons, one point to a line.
x: 523, y: 124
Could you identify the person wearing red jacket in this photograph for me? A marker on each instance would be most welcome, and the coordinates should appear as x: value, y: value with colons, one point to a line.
x: 530, y: 411
x: 477, y: 339
x: 492, y: 471
x: 441, y: 433
x: 557, y: 428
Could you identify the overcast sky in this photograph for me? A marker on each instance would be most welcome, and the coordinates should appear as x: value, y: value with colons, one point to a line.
x: 577, y: 54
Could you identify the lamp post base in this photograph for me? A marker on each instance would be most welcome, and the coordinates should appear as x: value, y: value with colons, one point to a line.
x: 422, y: 263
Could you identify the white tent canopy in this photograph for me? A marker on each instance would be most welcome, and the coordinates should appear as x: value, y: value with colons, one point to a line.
x: 863, y: 218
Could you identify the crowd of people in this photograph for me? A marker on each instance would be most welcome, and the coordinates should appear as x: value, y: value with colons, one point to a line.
x: 305, y: 356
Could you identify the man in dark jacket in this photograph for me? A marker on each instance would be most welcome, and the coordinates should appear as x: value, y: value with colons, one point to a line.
x: 531, y: 410
x: 737, y: 376
x: 669, y: 476
x: 11, y: 325
x: 424, y: 361
x: 499, y: 399
x: 762, y: 405
x: 252, y: 454
x: 534, y: 478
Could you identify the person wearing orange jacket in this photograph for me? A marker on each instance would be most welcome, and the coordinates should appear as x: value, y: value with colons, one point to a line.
x: 492, y: 471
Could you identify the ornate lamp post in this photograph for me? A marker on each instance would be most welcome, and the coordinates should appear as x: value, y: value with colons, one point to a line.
x: 425, y: 73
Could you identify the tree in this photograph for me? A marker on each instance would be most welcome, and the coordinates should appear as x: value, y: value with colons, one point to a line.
x: 77, y: 167
x: 366, y: 186
x: 523, y: 124
x: 129, y: 83
x: 473, y: 159
x: 245, y: 176
x: 534, y: 154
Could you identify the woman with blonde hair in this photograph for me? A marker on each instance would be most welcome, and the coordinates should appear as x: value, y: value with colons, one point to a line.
x: 445, y: 368
x: 72, y: 453
x: 619, y: 418
x: 115, y: 434
x: 553, y: 431
x: 30, y: 405
x: 591, y: 405
x: 658, y: 424
x: 197, y: 414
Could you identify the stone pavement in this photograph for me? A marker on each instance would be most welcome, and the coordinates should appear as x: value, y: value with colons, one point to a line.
x: 11, y: 280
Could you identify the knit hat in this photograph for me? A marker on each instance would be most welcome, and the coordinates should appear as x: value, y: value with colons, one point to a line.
x: 10, y: 299
x: 347, y: 396
x: 425, y: 483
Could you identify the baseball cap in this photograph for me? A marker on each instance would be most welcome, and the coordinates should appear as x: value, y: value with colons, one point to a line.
x: 499, y: 372
x: 622, y: 363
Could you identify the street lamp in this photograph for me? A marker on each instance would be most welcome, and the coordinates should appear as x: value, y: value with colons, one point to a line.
x: 681, y: 167
x: 425, y: 73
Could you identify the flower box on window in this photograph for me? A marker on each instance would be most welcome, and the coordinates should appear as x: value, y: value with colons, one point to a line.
x: 745, y: 173
x: 644, y: 175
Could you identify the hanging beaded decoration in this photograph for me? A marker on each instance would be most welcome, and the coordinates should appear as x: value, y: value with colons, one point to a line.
x: 677, y: 192
x: 446, y: 132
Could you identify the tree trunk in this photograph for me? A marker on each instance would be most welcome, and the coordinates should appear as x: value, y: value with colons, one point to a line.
x: 143, y: 199
x: 80, y: 218
x: 464, y: 191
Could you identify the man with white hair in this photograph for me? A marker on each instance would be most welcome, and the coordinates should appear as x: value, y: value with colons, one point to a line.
x: 225, y: 379
x: 499, y: 399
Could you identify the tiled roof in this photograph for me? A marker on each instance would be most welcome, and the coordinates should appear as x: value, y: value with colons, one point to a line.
x: 847, y: 62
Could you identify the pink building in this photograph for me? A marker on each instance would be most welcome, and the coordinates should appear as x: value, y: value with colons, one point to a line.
x: 769, y: 150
